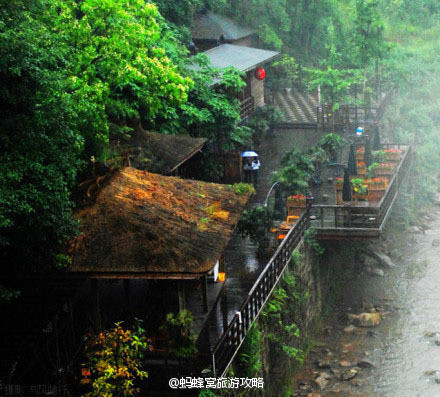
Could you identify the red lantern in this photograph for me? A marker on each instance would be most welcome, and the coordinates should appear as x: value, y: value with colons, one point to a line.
x: 260, y: 74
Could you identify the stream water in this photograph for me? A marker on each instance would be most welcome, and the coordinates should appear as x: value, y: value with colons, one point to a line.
x: 404, y: 348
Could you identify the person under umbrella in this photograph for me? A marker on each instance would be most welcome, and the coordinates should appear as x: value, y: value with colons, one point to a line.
x: 255, y: 168
x: 247, y: 168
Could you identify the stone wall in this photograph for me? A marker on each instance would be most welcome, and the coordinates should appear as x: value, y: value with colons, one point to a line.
x: 277, y: 347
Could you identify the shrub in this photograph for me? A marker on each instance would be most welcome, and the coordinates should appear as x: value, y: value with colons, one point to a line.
x: 114, y: 360
x: 181, y: 339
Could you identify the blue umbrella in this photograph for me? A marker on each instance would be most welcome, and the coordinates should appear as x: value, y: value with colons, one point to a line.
x: 249, y: 153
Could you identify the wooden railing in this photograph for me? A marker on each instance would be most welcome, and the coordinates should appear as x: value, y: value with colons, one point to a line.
x: 232, y: 338
x: 247, y: 107
x: 353, y: 221
x: 345, y: 115
x: 350, y: 115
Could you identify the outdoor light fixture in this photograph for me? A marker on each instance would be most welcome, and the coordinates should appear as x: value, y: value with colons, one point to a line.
x: 260, y: 74
x: 221, y: 277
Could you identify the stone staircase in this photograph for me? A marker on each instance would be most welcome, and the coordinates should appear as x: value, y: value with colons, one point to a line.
x: 298, y: 108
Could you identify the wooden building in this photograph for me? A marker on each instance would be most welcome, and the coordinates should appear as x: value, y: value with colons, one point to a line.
x: 167, y: 232
x: 211, y: 30
x: 248, y: 60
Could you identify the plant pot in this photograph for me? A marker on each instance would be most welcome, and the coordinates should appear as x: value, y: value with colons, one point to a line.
x: 375, y: 194
x: 359, y: 156
x: 383, y: 173
x: 296, y: 203
x: 361, y: 171
x: 393, y: 156
x: 359, y: 197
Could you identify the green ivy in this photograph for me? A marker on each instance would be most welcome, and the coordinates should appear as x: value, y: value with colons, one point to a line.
x: 311, y: 241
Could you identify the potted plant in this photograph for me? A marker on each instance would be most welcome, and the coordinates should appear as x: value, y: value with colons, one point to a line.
x: 384, y: 169
x: 360, y: 189
x: 361, y: 168
x: 379, y: 156
x: 371, y: 171
x: 296, y: 204
x: 376, y: 188
x: 393, y: 154
x: 360, y: 153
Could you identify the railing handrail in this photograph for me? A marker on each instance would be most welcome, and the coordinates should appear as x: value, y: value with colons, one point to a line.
x: 295, y: 232
x: 399, y: 167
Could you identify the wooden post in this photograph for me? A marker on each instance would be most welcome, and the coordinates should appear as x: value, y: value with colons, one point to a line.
x: 221, y: 267
x: 181, y: 294
x: 96, y: 306
x: 205, y: 293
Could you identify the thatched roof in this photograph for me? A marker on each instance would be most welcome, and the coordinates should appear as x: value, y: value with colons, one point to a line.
x: 160, y: 153
x: 210, y: 26
x: 149, y: 223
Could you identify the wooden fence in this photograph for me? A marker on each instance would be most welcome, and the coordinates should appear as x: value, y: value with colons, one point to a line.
x: 232, y: 338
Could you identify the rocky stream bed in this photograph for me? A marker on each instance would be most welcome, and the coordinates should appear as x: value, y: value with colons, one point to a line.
x: 383, y: 339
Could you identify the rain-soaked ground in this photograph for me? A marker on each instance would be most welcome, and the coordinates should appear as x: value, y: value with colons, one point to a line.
x: 401, y: 356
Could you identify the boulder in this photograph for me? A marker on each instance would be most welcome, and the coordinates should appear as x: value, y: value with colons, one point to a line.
x: 370, y: 261
x: 384, y: 259
x: 365, y: 364
x: 365, y: 319
x: 369, y: 319
x: 350, y: 329
x: 323, y: 364
x: 377, y: 272
x: 320, y: 382
x: 347, y: 375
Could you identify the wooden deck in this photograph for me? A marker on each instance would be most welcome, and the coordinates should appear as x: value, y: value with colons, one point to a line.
x: 364, y: 219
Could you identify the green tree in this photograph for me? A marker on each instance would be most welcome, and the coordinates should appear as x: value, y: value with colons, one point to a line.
x: 72, y: 73
x: 114, y: 360
x: 118, y: 57
x: 39, y: 144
